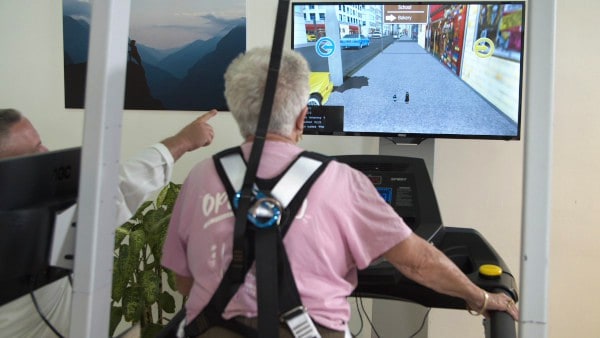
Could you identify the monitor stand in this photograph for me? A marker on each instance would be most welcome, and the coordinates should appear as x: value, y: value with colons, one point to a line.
x: 405, y: 140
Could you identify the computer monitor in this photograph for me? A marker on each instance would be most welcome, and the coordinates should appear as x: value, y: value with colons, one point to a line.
x: 33, y: 189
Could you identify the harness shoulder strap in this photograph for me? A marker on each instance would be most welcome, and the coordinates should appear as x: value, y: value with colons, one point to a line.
x: 231, y: 165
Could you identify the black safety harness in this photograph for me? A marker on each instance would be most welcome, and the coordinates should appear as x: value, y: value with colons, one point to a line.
x: 273, y: 207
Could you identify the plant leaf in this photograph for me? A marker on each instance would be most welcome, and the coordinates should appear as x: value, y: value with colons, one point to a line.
x: 161, y: 195
x: 158, y: 237
x: 137, y: 242
x: 155, y: 221
x: 150, y: 286
x: 120, y: 234
x: 171, y: 196
x: 116, y: 312
x: 168, y: 194
x: 132, y: 304
x: 170, y: 279
x: 139, y: 214
x: 167, y: 302
x: 122, y: 272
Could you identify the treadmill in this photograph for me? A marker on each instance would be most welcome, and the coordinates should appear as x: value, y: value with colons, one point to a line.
x: 405, y: 184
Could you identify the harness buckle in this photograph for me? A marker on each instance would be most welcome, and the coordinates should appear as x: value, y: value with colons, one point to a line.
x: 300, y: 323
x: 265, y: 211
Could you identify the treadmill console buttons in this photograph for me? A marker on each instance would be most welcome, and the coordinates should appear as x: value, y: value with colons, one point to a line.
x: 490, y: 271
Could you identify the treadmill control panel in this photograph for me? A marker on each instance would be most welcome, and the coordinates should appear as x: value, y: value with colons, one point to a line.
x: 404, y: 183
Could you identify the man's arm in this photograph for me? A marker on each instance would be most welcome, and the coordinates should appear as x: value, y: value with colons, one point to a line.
x: 423, y: 263
x: 193, y: 136
x: 142, y: 175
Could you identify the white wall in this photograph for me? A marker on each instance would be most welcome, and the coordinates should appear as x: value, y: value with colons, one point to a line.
x: 478, y: 183
x: 574, y: 253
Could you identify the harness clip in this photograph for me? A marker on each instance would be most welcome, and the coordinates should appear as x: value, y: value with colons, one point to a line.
x: 300, y: 323
x: 265, y: 211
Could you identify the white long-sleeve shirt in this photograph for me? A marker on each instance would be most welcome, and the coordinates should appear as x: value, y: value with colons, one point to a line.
x: 140, y: 178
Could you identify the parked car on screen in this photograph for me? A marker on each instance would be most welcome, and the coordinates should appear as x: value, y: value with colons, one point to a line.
x: 311, y: 37
x: 376, y: 35
x: 354, y: 41
x: 320, y: 88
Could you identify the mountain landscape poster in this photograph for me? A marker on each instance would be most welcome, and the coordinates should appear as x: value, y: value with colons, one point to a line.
x: 178, y: 52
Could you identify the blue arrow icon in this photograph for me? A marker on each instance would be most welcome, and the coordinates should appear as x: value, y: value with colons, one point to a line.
x: 325, y: 47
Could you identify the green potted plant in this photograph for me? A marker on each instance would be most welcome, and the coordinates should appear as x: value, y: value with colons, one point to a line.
x: 139, y: 293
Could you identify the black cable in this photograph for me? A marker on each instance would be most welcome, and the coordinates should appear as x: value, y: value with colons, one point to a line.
x: 359, y: 317
x: 362, y: 307
x: 422, y: 324
x: 39, y: 311
x: 369, y: 319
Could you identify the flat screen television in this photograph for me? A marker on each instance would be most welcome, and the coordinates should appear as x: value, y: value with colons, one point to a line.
x: 413, y: 69
x: 33, y: 189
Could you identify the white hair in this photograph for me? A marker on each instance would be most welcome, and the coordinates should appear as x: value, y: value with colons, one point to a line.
x: 245, y: 81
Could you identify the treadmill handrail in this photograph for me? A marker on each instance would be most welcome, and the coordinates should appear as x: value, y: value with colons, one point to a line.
x: 501, y: 324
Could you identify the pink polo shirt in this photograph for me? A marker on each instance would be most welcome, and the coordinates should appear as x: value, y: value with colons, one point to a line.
x: 343, y: 226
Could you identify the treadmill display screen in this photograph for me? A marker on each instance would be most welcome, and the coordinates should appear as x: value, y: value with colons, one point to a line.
x: 397, y: 189
x: 386, y: 193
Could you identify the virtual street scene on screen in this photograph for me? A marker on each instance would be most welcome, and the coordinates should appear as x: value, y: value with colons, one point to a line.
x: 452, y: 69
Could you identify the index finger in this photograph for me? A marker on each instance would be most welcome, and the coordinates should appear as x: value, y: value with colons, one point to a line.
x: 207, y: 116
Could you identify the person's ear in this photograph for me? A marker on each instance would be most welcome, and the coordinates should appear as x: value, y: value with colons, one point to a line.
x: 301, y: 117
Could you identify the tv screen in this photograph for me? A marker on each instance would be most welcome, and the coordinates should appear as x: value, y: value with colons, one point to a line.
x: 413, y: 69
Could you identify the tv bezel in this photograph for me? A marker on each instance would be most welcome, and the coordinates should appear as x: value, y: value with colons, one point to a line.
x: 417, y: 137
